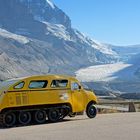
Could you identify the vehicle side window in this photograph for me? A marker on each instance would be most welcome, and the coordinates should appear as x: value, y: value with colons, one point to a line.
x: 38, y: 84
x: 19, y: 85
x: 75, y: 86
x: 59, y: 83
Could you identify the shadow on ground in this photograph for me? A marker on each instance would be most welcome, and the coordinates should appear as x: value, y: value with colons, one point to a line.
x: 46, y: 123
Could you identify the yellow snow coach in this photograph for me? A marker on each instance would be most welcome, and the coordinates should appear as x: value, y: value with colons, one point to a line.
x: 38, y: 98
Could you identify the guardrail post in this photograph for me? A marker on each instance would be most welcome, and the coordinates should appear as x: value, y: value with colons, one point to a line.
x: 132, y: 107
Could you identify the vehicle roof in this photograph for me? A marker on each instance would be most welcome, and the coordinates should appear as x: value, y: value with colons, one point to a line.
x: 37, y: 77
x: 52, y: 76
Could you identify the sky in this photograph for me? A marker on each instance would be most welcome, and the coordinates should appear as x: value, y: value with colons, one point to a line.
x: 109, y: 21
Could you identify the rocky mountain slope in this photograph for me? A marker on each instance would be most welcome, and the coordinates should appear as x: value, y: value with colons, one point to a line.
x: 36, y: 37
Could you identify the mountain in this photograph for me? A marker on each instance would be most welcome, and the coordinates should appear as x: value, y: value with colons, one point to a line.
x: 126, y: 52
x: 36, y: 37
x: 26, y: 17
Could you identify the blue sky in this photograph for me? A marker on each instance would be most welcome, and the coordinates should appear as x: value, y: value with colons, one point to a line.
x: 110, y: 21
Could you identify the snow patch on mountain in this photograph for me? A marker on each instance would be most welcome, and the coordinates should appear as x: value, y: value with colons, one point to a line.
x: 48, y: 3
x: 57, y: 30
x: 96, y: 44
x: 51, y: 4
x: 19, y: 38
x: 103, y: 72
x: 103, y: 48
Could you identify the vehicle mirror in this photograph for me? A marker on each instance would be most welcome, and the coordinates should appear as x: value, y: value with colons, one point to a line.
x: 80, y: 87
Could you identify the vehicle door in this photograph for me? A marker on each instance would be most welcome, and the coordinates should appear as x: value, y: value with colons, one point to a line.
x: 77, y: 97
x: 38, y: 92
x: 59, y: 91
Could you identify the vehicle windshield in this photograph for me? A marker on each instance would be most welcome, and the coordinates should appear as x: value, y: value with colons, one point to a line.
x: 7, y: 83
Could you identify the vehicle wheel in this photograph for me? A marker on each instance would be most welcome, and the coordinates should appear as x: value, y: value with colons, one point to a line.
x: 40, y: 116
x: 91, y: 111
x: 72, y: 114
x: 63, y: 113
x: 24, y: 117
x: 53, y: 115
x: 9, y: 119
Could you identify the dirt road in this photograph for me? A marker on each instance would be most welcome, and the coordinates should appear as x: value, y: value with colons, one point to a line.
x: 121, y: 126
